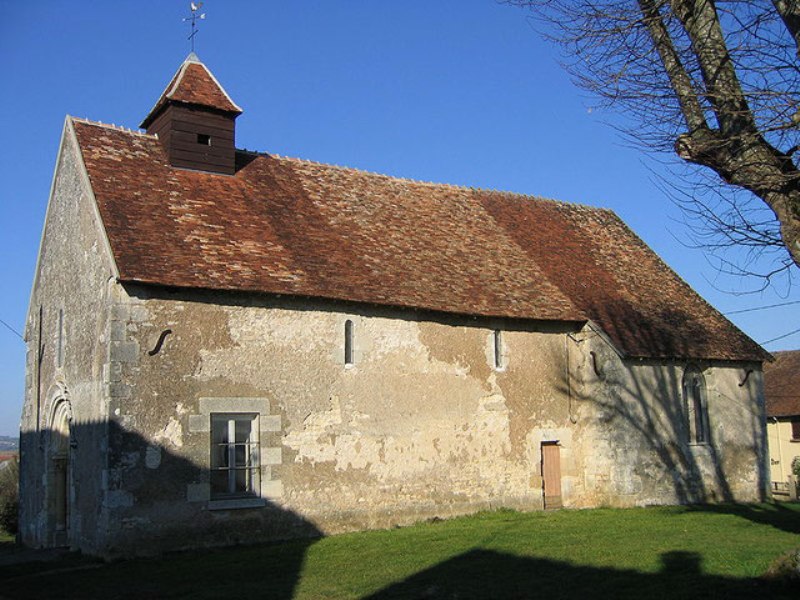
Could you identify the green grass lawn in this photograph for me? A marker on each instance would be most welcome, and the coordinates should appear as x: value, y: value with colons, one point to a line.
x: 667, y: 552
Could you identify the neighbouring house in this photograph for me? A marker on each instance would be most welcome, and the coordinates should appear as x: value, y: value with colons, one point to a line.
x: 782, y: 394
x: 229, y: 346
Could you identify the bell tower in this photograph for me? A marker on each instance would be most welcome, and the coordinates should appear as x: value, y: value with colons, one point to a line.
x: 195, y: 120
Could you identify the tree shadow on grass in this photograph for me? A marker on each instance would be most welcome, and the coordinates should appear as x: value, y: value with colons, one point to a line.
x: 8, y: 548
x: 780, y: 516
x: 488, y: 574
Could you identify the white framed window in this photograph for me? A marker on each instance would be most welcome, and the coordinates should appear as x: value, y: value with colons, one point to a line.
x: 696, y: 406
x: 235, y: 463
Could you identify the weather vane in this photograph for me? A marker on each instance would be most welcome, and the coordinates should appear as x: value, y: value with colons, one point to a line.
x: 194, y: 18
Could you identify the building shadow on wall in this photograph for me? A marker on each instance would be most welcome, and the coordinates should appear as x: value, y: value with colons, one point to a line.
x: 489, y: 574
x: 649, y: 403
x: 148, y: 511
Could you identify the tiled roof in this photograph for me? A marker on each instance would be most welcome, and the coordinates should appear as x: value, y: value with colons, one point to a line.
x: 289, y: 226
x: 194, y: 84
x: 782, y: 384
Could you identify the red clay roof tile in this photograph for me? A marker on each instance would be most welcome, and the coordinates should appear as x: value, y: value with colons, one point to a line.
x: 193, y: 84
x: 782, y: 384
x: 295, y: 227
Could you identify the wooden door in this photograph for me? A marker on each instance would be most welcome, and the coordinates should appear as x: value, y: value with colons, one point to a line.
x: 551, y: 474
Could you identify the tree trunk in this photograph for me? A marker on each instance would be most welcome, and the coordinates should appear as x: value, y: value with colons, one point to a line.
x: 735, y: 150
x: 751, y: 162
x: 789, y: 10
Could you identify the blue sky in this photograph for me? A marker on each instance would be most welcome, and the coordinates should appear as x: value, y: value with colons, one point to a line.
x: 456, y: 91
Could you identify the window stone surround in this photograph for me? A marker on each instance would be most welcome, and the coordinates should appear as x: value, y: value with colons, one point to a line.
x: 200, y: 423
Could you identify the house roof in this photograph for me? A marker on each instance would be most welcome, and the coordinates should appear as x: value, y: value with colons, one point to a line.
x: 193, y: 84
x: 782, y: 384
x: 289, y: 226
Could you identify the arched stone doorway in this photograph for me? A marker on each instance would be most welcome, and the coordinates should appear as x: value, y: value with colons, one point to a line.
x: 60, y: 474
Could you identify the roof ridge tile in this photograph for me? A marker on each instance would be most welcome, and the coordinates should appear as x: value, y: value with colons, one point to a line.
x: 436, y: 184
x: 122, y: 128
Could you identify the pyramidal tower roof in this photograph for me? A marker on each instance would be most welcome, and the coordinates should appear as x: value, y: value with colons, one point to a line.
x: 193, y: 84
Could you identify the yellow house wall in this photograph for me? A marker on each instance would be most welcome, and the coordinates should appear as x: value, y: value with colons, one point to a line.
x: 782, y: 449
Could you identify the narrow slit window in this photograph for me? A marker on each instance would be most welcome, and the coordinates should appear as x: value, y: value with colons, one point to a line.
x: 348, y: 342
x: 696, y: 406
x: 60, y: 345
x: 498, y: 349
x: 203, y: 139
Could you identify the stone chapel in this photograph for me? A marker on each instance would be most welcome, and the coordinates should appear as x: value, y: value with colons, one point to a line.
x: 227, y: 346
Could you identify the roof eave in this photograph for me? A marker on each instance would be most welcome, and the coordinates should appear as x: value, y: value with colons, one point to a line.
x: 162, y: 106
x: 128, y: 280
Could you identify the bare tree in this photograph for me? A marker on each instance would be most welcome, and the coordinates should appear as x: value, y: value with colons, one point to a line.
x: 716, y: 83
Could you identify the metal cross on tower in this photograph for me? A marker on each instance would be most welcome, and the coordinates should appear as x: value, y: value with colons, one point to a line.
x: 193, y: 19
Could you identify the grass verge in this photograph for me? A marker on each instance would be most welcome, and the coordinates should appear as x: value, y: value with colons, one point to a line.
x: 664, y: 552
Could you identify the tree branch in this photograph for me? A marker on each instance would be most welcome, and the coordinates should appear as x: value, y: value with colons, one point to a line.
x: 723, y: 90
x: 717, y: 82
x: 680, y: 80
x: 789, y: 11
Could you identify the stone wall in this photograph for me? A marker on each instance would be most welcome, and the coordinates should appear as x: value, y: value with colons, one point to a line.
x: 71, y: 289
x: 637, y: 450
x: 423, y: 424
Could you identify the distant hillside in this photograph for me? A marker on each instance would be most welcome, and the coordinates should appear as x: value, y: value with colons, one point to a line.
x: 8, y: 443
